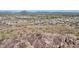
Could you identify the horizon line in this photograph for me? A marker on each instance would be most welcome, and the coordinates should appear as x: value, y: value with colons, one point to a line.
x: 39, y: 10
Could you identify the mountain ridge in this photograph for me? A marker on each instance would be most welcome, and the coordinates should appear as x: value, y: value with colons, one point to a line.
x: 71, y: 11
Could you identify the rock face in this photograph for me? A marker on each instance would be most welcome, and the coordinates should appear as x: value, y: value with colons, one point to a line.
x: 38, y: 40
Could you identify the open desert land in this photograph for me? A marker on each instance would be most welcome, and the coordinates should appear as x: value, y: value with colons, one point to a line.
x: 39, y: 30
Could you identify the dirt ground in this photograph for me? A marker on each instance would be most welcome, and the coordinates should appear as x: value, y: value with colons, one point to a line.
x: 39, y: 30
x: 41, y: 40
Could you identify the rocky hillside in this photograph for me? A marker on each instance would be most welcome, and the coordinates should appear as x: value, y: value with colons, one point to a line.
x: 41, y: 40
x: 19, y: 30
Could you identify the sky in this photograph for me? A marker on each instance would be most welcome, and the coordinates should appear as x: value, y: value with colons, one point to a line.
x: 39, y: 4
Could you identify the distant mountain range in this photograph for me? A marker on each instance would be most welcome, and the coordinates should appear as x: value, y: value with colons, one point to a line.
x: 72, y: 11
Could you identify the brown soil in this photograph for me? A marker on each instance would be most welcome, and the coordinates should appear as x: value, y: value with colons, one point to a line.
x: 41, y: 40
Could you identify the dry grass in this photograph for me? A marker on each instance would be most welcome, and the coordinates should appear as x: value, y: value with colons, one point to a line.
x: 29, y: 35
